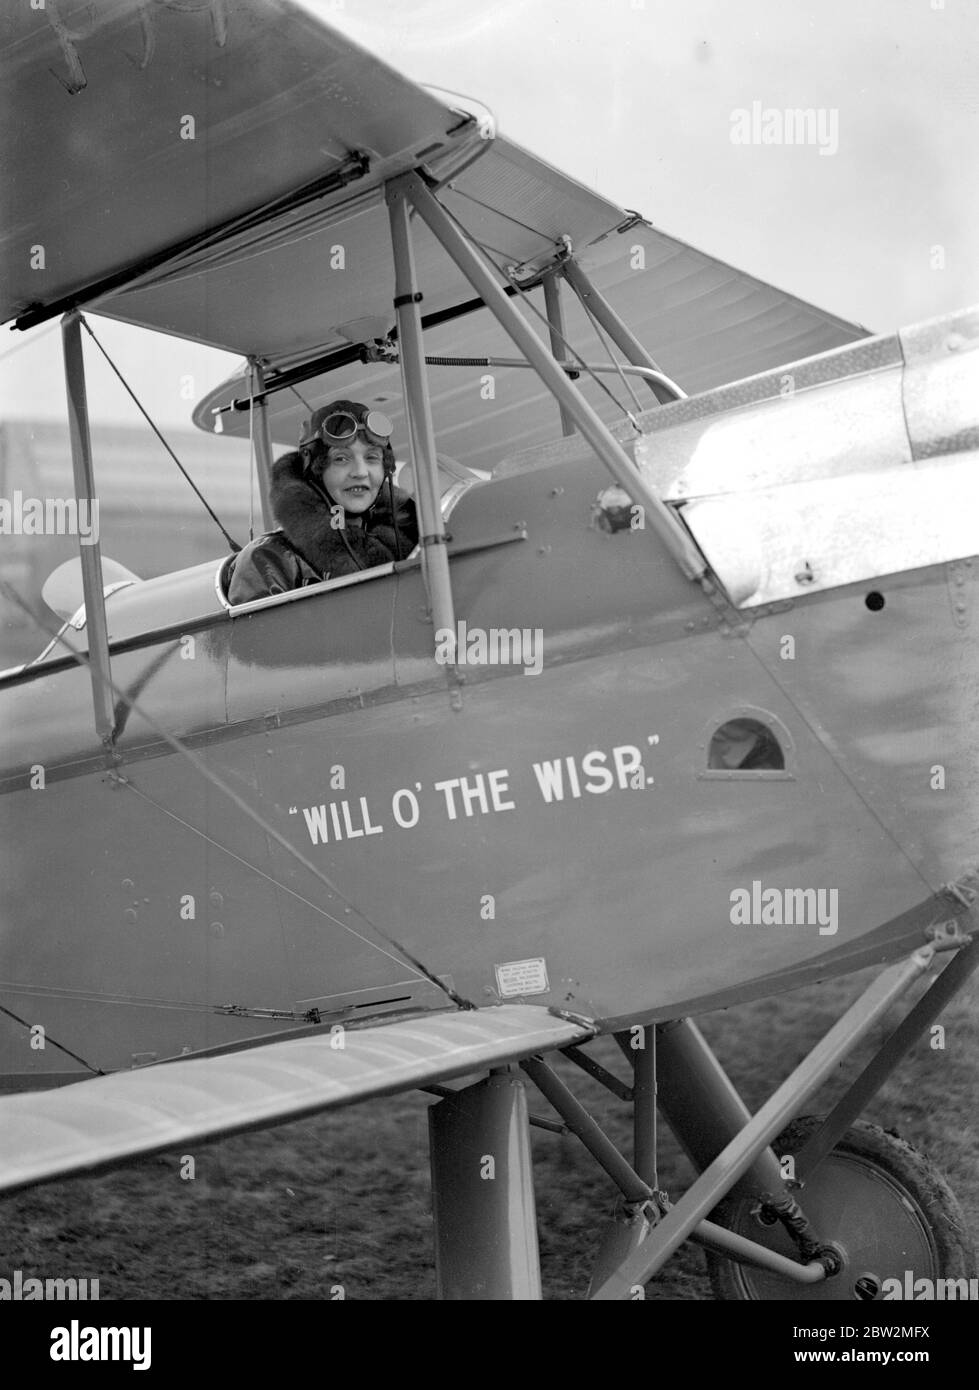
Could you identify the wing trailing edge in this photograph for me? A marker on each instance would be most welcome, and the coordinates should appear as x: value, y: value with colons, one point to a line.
x: 93, y: 1124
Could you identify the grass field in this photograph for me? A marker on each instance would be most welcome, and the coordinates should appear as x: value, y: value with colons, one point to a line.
x: 344, y: 1200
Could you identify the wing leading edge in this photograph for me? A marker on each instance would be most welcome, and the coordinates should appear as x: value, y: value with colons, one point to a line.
x: 141, y: 127
x: 225, y: 121
x: 91, y: 1124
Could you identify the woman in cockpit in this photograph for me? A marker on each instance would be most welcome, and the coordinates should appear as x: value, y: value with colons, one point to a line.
x: 336, y: 503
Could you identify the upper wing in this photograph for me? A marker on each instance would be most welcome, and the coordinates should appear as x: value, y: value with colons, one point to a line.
x: 704, y: 322
x: 90, y: 1124
x: 130, y: 129
x: 217, y: 173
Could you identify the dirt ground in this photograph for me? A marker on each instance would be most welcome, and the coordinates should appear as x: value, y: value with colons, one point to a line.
x: 344, y: 1199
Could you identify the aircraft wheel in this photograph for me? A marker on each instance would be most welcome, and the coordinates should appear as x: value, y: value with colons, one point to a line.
x: 876, y: 1197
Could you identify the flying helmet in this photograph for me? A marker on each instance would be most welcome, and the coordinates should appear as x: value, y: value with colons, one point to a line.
x: 341, y: 421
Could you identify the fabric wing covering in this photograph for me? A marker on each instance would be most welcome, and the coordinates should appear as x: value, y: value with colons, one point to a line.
x: 93, y: 1123
x: 103, y: 170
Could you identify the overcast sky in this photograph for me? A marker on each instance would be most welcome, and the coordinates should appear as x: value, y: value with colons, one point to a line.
x: 637, y: 98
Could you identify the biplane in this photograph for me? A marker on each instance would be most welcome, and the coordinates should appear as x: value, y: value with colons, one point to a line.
x: 318, y: 847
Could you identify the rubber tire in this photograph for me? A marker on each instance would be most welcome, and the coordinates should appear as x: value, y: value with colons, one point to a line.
x: 900, y: 1166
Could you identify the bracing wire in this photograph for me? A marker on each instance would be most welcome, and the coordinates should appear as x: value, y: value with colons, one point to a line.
x: 602, y: 338
x: 227, y: 791
x: 525, y: 298
x: 53, y: 1041
x: 301, y: 399
x: 213, y: 515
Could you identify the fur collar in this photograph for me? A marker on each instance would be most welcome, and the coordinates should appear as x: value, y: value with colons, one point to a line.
x: 305, y: 518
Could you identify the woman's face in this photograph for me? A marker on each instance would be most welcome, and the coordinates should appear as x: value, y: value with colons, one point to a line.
x: 353, y: 473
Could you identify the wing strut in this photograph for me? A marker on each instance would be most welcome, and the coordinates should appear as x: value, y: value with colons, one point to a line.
x: 261, y: 461
x: 419, y: 410
x: 661, y: 519
x: 555, y: 328
x: 622, y: 336
x: 91, y: 554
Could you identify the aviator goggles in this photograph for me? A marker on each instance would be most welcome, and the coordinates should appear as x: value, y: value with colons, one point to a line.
x: 340, y: 426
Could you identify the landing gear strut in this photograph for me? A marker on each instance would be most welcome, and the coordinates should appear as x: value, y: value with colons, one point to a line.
x: 888, y: 1209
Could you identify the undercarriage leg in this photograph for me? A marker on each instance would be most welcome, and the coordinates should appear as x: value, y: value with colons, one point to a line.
x: 644, y: 1102
x: 483, y: 1193
x: 702, y: 1107
x: 705, y: 1113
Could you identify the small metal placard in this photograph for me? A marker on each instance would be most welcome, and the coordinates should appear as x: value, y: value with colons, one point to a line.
x: 522, y: 977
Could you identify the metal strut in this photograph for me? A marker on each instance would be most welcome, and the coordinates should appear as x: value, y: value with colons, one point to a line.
x: 555, y: 324
x: 620, y: 333
x: 736, y: 1158
x: 483, y: 1193
x: 573, y: 369
x: 642, y: 1205
x: 661, y: 520
x: 435, y: 560
x: 91, y: 554
x: 873, y: 1076
x: 261, y: 437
